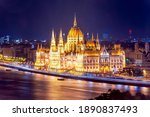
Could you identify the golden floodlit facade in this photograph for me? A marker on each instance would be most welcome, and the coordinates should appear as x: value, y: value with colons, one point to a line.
x: 79, y: 54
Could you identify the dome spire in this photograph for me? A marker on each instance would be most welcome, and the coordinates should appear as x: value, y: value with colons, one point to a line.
x: 75, y: 21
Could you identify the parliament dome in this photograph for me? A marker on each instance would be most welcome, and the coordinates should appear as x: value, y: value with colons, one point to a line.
x: 75, y: 30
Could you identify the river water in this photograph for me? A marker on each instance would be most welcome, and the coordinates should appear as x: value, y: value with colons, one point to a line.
x: 18, y: 85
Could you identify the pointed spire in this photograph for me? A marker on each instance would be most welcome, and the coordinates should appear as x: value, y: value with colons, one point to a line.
x: 60, y: 37
x: 60, y: 34
x: 41, y: 46
x: 104, y: 50
x: 53, y: 41
x: 53, y: 36
x: 97, y: 42
x: 75, y: 21
x: 38, y: 46
x: 97, y: 38
x: 92, y: 37
x: 104, y: 47
x: 61, y: 43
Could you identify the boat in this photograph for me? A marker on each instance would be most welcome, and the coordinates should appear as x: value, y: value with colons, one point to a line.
x: 60, y: 79
x: 8, y: 69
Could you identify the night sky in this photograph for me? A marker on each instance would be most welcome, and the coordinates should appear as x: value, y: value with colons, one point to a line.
x: 34, y: 19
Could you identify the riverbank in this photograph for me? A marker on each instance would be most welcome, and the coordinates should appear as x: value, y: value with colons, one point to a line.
x: 112, y: 80
x: 118, y: 95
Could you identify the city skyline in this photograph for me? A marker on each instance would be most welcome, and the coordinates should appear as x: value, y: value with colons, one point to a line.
x: 91, y: 49
x: 35, y: 19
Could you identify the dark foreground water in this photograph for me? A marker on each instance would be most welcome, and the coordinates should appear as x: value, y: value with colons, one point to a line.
x: 23, y: 85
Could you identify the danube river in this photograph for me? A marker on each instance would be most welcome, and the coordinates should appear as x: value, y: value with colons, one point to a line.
x: 24, y: 85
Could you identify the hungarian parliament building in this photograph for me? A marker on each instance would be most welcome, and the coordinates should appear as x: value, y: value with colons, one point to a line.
x: 79, y: 54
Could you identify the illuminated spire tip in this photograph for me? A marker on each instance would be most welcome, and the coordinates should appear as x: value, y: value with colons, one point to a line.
x: 75, y: 21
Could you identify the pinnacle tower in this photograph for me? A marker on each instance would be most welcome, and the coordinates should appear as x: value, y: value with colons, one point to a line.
x: 92, y: 37
x: 53, y: 42
x: 97, y: 42
x: 61, y: 43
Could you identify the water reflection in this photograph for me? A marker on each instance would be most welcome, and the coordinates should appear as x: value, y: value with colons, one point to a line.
x: 145, y: 91
x: 23, y: 85
x: 126, y: 87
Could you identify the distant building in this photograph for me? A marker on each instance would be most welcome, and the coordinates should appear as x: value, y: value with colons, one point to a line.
x: 32, y: 55
x: 42, y: 57
x: 117, y: 58
x: 18, y: 51
x: 146, y: 39
x: 17, y: 41
x: 140, y: 55
x: 5, y: 40
x: 8, y: 51
x: 146, y: 55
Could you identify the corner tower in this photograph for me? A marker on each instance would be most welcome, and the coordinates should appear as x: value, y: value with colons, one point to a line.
x: 61, y: 43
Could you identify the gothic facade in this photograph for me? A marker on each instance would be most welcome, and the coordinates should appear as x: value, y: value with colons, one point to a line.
x: 79, y: 54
